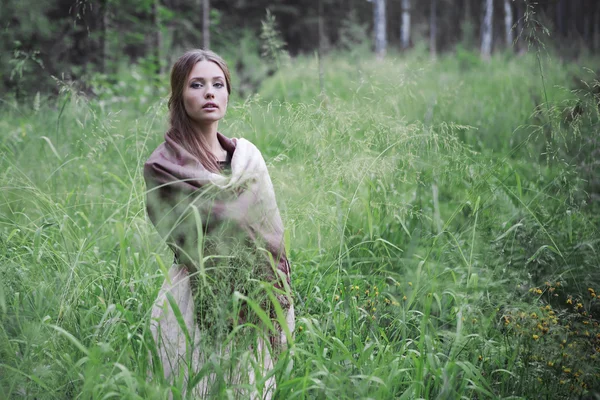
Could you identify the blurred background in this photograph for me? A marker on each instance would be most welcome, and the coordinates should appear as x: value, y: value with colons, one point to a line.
x: 75, y: 40
x: 436, y: 164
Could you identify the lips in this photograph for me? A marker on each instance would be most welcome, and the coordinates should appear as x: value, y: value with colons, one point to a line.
x: 210, y: 105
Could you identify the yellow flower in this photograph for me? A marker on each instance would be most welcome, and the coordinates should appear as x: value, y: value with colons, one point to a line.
x: 337, y: 297
x: 579, y: 305
x: 480, y: 357
x: 300, y: 328
x: 409, y: 283
x: 566, y: 370
x: 550, y: 364
x: 404, y: 298
x: 561, y: 382
x: 569, y: 301
x: 367, y: 292
x: 535, y: 337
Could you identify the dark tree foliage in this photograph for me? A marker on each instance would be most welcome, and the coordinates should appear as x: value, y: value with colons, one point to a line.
x: 74, y: 39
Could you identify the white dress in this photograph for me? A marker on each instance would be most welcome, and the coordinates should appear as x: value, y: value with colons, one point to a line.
x: 181, y: 360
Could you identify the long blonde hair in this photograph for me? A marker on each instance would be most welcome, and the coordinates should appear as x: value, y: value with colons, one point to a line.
x: 180, y: 129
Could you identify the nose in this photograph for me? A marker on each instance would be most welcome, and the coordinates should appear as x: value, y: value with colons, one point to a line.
x: 209, y: 93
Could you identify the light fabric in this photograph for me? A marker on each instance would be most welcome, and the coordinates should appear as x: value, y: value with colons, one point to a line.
x: 194, y: 209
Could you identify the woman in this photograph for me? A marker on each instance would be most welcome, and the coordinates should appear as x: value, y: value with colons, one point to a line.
x: 212, y: 200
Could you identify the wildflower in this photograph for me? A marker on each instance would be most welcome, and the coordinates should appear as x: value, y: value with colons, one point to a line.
x: 373, y: 317
x: 561, y: 382
x: 548, y: 307
x: 535, y: 337
x: 533, y: 315
x: 480, y: 358
x: 374, y: 309
x: 356, y: 287
x: 409, y: 283
x: 569, y: 301
x: 395, y: 303
x: 566, y: 370
x: 537, y: 291
x: 300, y: 328
x: 367, y: 292
x: 337, y: 297
x: 550, y: 364
x: 404, y: 298
x: 376, y: 293
x: 586, y: 322
x: 579, y: 305
x: 387, y: 301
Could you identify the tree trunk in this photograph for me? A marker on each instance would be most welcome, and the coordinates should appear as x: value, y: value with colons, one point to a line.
x: 467, y: 26
x: 206, y: 24
x: 520, y: 27
x: 380, y: 28
x: 508, y: 23
x: 320, y: 48
x: 433, y: 28
x: 486, y: 30
x: 587, y: 23
x: 103, y: 35
x: 560, y: 17
x: 597, y: 28
x: 156, y: 37
x: 405, y: 26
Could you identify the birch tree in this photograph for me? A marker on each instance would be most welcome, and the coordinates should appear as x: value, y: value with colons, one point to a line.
x: 405, y: 25
x: 433, y: 28
x: 486, y: 30
x: 508, y: 23
x: 379, y: 22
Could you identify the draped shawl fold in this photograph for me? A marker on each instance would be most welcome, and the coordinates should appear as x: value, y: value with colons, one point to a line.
x: 188, y: 204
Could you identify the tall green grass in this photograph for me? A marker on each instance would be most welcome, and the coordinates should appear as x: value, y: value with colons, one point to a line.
x: 431, y: 209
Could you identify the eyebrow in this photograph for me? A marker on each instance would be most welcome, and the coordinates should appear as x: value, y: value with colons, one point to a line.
x: 201, y: 78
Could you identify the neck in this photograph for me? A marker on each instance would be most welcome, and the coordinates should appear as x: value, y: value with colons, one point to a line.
x: 209, y: 134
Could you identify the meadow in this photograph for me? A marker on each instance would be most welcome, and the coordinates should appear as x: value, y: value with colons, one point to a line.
x: 441, y: 222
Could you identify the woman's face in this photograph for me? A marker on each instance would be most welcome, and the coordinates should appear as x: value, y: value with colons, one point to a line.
x: 205, y: 93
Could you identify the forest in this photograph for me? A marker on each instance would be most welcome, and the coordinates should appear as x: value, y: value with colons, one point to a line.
x: 436, y: 164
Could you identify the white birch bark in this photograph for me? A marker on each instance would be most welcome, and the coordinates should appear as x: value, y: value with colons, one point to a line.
x: 433, y: 28
x: 405, y: 25
x: 508, y: 23
x: 486, y: 30
x: 380, y: 28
